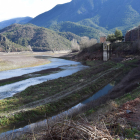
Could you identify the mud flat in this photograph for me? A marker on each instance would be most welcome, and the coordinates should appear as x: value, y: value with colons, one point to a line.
x: 17, y: 60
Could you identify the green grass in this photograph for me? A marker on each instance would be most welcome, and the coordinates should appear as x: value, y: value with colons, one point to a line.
x: 54, y: 107
x: 48, y: 88
x: 52, y: 87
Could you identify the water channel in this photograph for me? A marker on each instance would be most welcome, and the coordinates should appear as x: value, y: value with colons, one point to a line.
x: 68, y: 67
x: 50, y: 121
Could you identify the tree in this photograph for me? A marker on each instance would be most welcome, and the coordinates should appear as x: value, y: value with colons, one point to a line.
x: 24, y: 42
x: 118, y: 34
x: 74, y: 45
x: 111, y: 38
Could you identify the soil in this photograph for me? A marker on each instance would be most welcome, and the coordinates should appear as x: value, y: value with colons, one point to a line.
x: 131, y: 112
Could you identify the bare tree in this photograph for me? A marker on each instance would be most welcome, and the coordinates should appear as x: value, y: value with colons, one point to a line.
x: 74, y: 45
x: 86, y: 42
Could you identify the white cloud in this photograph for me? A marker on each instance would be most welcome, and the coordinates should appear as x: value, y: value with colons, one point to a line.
x: 21, y: 8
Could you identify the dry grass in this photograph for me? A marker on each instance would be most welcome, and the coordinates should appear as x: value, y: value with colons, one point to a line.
x: 108, y: 125
x: 70, y: 130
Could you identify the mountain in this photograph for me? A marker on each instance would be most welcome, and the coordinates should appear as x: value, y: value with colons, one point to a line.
x: 78, y: 29
x: 20, y: 20
x: 70, y: 36
x: 105, y: 14
x: 39, y: 38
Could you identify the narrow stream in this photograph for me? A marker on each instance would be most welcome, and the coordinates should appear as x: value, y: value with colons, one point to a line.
x: 69, y: 67
x: 68, y: 70
x: 33, y: 126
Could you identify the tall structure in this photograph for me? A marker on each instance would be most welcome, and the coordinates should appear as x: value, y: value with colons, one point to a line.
x: 106, y: 50
x: 102, y: 39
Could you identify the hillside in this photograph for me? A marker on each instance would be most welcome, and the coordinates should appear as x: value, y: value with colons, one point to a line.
x: 78, y: 29
x: 8, y: 46
x: 40, y: 39
x: 20, y: 20
x: 102, y: 15
x: 70, y: 36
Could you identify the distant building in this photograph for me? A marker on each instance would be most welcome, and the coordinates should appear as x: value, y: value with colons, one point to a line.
x: 102, y: 39
x: 133, y: 35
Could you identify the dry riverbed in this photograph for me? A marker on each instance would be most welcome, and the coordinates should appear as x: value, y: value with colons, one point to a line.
x: 17, y: 60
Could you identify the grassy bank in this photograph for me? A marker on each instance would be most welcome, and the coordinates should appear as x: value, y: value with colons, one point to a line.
x: 115, y: 117
x: 104, y: 122
x: 65, y: 92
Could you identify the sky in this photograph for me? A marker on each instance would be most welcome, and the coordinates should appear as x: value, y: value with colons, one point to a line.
x: 21, y: 8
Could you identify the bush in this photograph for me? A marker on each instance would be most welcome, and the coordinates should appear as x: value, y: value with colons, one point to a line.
x: 75, y: 46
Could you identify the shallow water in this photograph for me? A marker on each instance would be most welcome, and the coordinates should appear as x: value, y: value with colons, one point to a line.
x: 55, y: 118
x: 55, y: 62
x: 69, y: 67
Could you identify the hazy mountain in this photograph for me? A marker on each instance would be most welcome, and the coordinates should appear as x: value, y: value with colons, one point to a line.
x: 20, y: 20
x: 99, y: 14
x: 39, y: 38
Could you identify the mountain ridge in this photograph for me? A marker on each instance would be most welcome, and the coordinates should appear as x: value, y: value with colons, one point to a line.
x: 20, y: 20
x: 106, y: 14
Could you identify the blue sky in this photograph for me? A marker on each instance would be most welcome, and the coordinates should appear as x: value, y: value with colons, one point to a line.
x: 21, y: 8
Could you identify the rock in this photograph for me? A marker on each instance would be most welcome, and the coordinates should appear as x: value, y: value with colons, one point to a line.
x: 137, y: 136
x: 82, y: 80
x: 129, y: 112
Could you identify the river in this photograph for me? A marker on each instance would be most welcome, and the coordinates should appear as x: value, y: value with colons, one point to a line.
x: 69, y: 67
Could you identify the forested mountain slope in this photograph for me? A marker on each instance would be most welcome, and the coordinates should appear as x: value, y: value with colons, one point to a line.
x: 99, y: 14
x: 39, y: 38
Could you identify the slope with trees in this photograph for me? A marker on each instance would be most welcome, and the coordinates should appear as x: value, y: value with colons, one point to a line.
x: 8, y: 46
x: 40, y: 39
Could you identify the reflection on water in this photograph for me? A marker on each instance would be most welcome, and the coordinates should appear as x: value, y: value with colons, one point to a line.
x: 55, y: 118
x: 69, y: 67
x: 100, y: 93
x: 68, y: 70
